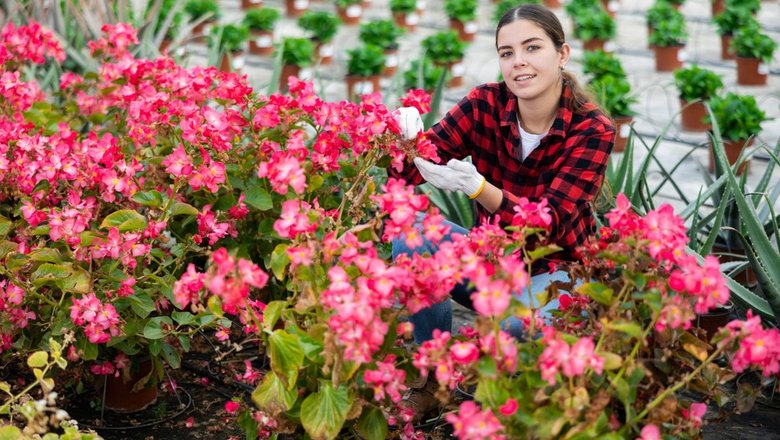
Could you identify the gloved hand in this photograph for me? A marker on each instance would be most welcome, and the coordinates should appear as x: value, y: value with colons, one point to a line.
x: 410, y: 122
x: 457, y: 175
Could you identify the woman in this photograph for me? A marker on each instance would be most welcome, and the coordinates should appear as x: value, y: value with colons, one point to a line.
x: 534, y: 135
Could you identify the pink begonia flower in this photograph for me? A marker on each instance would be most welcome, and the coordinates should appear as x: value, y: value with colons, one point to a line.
x: 417, y: 98
x: 471, y: 423
x: 650, y: 432
x: 178, y: 163
x: 757, y: 347
x: 509, y: 407
x: 532, y: 214
x: 571, y: 361
x: 695, y: 413
x: 464, y: 353
x: 387, y: 380
x: 491, y: 298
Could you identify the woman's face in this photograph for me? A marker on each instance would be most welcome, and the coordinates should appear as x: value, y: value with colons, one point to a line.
x: 529, y: 61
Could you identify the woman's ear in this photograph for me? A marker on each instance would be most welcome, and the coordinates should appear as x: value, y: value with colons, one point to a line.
x: 565, y: 52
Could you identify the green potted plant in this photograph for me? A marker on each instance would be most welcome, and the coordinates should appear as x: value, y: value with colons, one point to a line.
x: 659, y: 11
x: 447, y: 50
x: 462, y: 15
x: 321, y: 26
x: 260, y: 22
x: 423, y: 74
x: 405, y: 13
x: 598, y: 63
x: 739, y: 120
x: 384, y: 34
x: 676, y: 4
x: 668, y: 41
x: 364, y: 67
x: 248, y: 5
x: 350, y: 11
x: 297, y: 53
x: 228, y: 41
x: 613, y: 94
x: 594, y: 27
x: 727, y: 22
x: 695, y: 86
x: 504, y: 5
x: 754, y: 50
x: 296, y: 8
x: 203, y: 13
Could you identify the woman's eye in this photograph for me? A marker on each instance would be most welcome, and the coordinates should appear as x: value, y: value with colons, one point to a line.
x: 505, y: 54
x: 533, y: 47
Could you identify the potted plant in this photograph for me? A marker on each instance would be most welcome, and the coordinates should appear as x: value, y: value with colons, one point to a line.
x: 364, y: 67
x: 660, y: 11
x: 248, y: 5
x: 462, y: 15
x: 594, y: 27
x: 297, y: 53
x: 295, y: 8
x: 228, y: 41
x: 754, y: 50
x: 405, y: 13
x: 613, y: 94
x: 447, y: 50
x: 739, y: 120
x: 350, y: 11
x: 676, y: 4
x: 598, y: 63
x: 260, y: 22
x: 384, y: 34
x: 727, y: 22
x: 203, y: 13
x: 423, y: 74
x: 696, y: 86
x: 668, y: 41
x: 322, y: 27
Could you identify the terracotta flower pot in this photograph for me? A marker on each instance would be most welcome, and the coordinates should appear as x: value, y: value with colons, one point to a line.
x: 351, y: 14
x: 391, y: 63
x: 717, y: 7
x: 406, y: 21
x: 552, y: 4
x: 751, y: 72
x: 733, y: 149
x: 249, y: 4
x: 457, y: 70
x: 692, y: 116
x: 611, y: 6
x: 466, y: 31
x: 323, y: 52
x: 119, y: 393
x: 623, y: 127
x: 668, y: 59
x: 202, y: 29
x: 361, y: 85
x: 261, y: 43
x: 288, y: 70
x: 593, y: 45
x: 232, y: 61
x: 725, y: 47
x: 296, y: 8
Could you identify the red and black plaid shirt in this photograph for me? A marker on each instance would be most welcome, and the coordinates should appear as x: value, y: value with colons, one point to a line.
x: 567, y: 167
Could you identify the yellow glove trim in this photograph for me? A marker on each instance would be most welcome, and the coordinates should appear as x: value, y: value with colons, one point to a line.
x: 479, y: 191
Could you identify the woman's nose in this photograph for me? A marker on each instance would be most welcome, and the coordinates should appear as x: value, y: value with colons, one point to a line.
x: 519, y: 60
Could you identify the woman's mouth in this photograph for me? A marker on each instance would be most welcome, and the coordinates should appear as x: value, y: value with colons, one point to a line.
x: 521, y: 78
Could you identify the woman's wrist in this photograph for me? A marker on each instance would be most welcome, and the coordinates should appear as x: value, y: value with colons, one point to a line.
x: 490, y: 197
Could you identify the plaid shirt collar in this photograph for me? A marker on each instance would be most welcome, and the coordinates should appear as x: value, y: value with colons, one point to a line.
x: 509, y: 116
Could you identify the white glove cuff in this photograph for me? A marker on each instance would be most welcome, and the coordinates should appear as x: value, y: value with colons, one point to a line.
x: 474, y: 185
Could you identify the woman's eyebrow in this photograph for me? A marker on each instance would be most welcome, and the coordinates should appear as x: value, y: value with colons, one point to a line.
x: 526, y: 41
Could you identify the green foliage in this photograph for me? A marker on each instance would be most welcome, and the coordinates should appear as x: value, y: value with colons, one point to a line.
x: 229, y: 37
x: 659, y: 12
x: 669, y: 31
x: 403, y: 6
x: 575, y: 7
x: 672, y: 2
x: 346, y: 3
x: 366, y: 60
x: 461, y: 10
x: 200, y: 8
x: 160, y: 17
x: 297, y: 51
x: 505, y: 5
x: 444, y: 47
x: 613, y: 95
x: 732, y: 19
x: 598, y: 63
x: 322, y: 25
x: 261, y: 19
x: 594, y: 24
x: 751, y: 6
x: 381, y: 33
x: 697, y: 83
x: 738, y: 116
x: 751, y: 42
x: 423, y: 74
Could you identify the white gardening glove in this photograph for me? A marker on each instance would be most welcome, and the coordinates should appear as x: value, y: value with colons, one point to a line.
x: 410, y: 122
x: 457, y: 175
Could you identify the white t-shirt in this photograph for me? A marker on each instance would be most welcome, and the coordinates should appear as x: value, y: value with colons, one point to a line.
x: 529, y: 141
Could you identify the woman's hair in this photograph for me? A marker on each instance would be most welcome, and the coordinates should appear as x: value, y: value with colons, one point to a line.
x: 551, y: 26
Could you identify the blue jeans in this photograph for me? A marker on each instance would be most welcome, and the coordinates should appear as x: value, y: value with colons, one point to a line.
x: 439, y: 316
